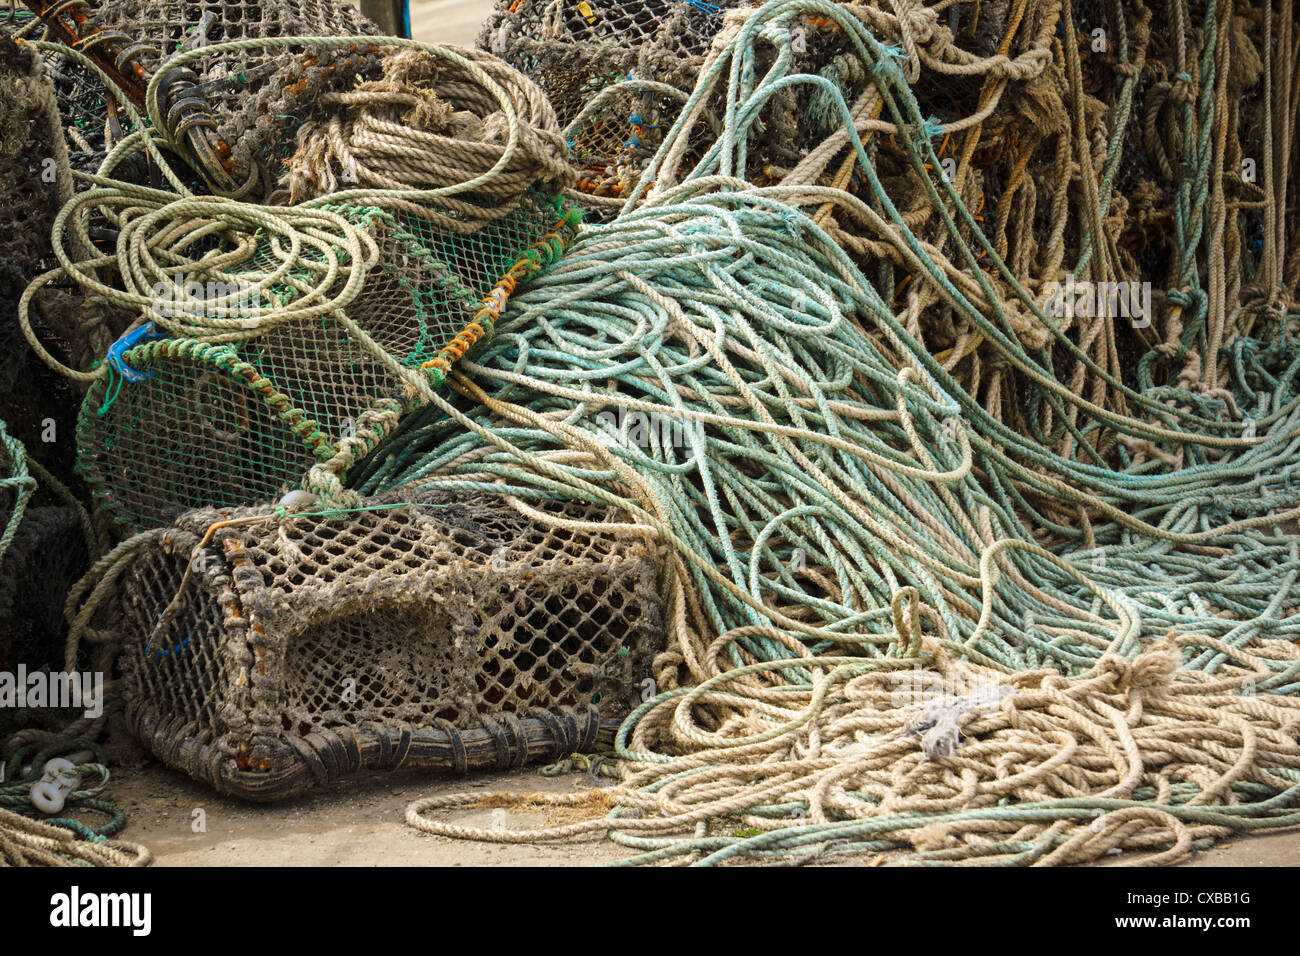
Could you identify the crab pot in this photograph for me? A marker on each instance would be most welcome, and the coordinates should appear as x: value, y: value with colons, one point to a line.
x: 440, y: 632
x: 190, y: 425
x: 217, y: 426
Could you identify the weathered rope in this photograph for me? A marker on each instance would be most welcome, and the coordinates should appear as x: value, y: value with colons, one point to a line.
x: 16, y: 486
x: 1105, y: 655
x: 427, y: 124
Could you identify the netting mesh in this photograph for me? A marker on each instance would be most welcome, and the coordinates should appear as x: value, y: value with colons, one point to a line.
x: 442, y: 633
x: 577, y: 51
x: 205, y: 429
x: 257, y: 97
x: 220, y: 425
x: 429, y: 283
x: 90, y: 118
x: 47, y: 556
x: 574, y: 48
x: 34, y: 180
x: 619, y: 75
x: 30, y: 149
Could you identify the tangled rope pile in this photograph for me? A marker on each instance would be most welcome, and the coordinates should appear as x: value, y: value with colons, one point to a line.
x: 234, y: 108
x: 282, y: 341
x: 988, y: 191
x: 63, y: 840
x: 28, y: 842
x: 158, y: 231
x: 954, y: 567
x: 25, y: 841
x: 1065, y: 772
x: 845, y: 505
x: 338, y: 313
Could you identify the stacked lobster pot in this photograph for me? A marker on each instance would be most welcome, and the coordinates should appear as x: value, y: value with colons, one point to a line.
x: 296, y: 229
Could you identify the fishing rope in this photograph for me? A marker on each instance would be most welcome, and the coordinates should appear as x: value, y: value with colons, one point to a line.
x: 285, y: 264
x: 62, y: 841
x: 30, y: 838
x: 201, y: 272
x: 16, y: 484
x: 947, y: 571
x: 1104, y: 654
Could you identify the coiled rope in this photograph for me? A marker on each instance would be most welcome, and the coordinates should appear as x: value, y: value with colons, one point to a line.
x: 837, y: 490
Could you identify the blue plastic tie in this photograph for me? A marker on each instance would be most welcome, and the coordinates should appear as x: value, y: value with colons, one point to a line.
x: 145, y: 333
x: 706, y: 7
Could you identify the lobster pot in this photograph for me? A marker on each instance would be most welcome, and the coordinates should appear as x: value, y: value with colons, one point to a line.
x: 441, y: 633
x: 605, y: 66
x: 31, y: 146
x: 575, y: 48
x: 81, y: 97
x: 32, y: 164
x: 431, y: 283
x: 217, y: 425
x: 259, y: 97
x: 577, y: 51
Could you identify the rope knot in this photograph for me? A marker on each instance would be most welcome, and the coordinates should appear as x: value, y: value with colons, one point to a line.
x: 1147, y: 671
x: 1182, y: 90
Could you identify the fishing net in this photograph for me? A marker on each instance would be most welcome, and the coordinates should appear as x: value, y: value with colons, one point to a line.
x: 616, y: 74
x: 268, y: 654
x: 86, y: 109
x: 42, y: 549
x: 944, y: 587
x: 619, y: 77
x: 200, y: 423
x: 961, y: 562
x: 268, y: 342
x: 46, y: 557
x: 31, y: 158
x: 576, y: 49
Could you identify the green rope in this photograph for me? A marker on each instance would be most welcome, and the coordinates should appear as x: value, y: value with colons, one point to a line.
x: 783, y: 408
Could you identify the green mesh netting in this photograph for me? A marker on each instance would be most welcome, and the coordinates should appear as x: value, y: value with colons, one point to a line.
x: 220, y: 424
